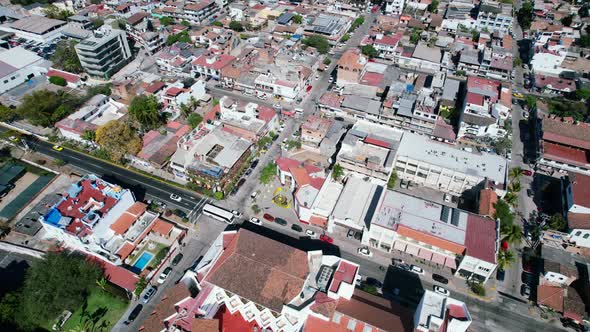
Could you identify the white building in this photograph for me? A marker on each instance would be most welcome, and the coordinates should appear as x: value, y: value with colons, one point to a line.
x: 463, y: 242
x: 355, y: 205
x: 279, y: 286
x: 446, y: 168
x: 394, y: 7
x: 104, y: 53
x: 437, y: 312
x: 18, y: 65
x: 325, y: 202
x: 97, y: 111
x: 37, y: 28
x: 495, y: 17
x: 210, y: 65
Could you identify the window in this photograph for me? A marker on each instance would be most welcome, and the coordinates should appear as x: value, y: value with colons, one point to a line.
x: 367, y: 328
x: 5, y: 81
x: 586, y: 235
x: 578, y: 233
x: 351, y: 324
x: 336, y: 317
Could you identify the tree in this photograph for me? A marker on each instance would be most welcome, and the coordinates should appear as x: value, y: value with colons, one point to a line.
x: 103, y: 89
x: 60, y: 281
x: 583, y: 94
x: 345, y: 38
x: 297, y: 19
x: 525, y: 15
x: 7, y: 114
x: 433, y: 6
x: 557, y: 222
x: 511, y: 199
x: 512, y: 234
x: 392, y: 180
x: 502, y: 145
x: 255, y: 208
x: 357, y: 23
x: 236, y: 26
x: 89, y: 135
x: 58, y: 80
x: 9, y: 306
x: 118, y: 138
x: 185, y: 23
x: 567, y: 20
x: 515, y: 187
x: 477, y: 288
x: 150, y: 26
x: 217, y: 24
x: 369, y: 51
x: 182, y: 37
x: 140, y: 285
x: 531, y: 101
x: 45, y: 108
x: 145, y: 110
x: 515, y: 173
x: 337, y: 172
x: 503, y: 213
x: 66, y: 58
x: 415, y: 35
x: 327, y: 61
x: 318, y: 42
x: 264, y: 141
x: 505, y: 259
x: 166, y: 21
x: 517, y: 62
x: 97, y: 22
x: 268, y: 173
x: 52, y: 11
x: 101, y: 283
x: 218, y: 195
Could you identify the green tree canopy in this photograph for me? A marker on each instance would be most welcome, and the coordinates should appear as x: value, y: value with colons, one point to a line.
x: 297, y: 19
x: 118, y: 138
x: 52, y: 11
x: 146, y: 111
x: 512, y: 234
x: 567, y: 20
x: 319, y: 42
x: 66, y: 58
x: 392, y: 180
x: 369, y: 51
x: 345, y: 38
x: 505, y: 259
x: 45, y: 108
x: 217, y: 24
x: 503, y: 213
x: 337, y: 172
x: 236, y: 26
x: 557, y: 222
x: 525, y: 15
x: 182, y: 37
x: 59, y: 282
x: 194, y: 119
x: 357, y: 23
x: 185, y: 23
x: 57, y: 80
x: 165, y: 21
x: 433, y: 6
x: 268, y: 173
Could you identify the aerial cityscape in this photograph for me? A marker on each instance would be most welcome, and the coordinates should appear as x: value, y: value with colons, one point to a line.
x: 294, y: 166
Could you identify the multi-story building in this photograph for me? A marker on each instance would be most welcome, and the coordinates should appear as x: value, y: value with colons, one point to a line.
x: 250, y: 121
x: 210, y: 65
x: 446, y: 168
x: 386, y: 45
x: 465, y: 243
x: 17, y: 66
x: 200, y: 11
x: 495, y: 16
x: 104, y: 53
x: 394, y: 7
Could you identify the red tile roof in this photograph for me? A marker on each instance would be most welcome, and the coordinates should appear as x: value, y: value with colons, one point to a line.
x: 372, y: 79
x: 377, y: 142
x: 581, y: 189
x: 345, y: 273
x: 475, y: 99
x: 555, y: 83
x: 565, y: 154
x: 162, y: 227
x: 155, y: 87
x: 487, y: 200
x: 125, y: 250
x: 116, y: 274
x: 565, y: 131
x: 165, y: 308
x: 480, y: 238
x: 122, y: 224
x: 578, y: 220
x: 266, y: 113
x: 431, y: 240
x: 174, y: 91
x: 69, y: 77
x: 390, y: 40
x: 551, y: 296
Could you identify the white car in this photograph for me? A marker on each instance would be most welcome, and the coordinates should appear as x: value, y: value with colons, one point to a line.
x: 317, y: 77
x: 175, y: 197
x: 416, y: 269
x: 364, y: 251
x: 164, y: 275
x: 277, y: 106
x: 310, y: 233
x: 441, y: 291
x: 256, y: 221
x: 236, y: 213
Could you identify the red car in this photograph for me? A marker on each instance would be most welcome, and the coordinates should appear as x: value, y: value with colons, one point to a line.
x: 268, y: 217
x: 309, y: 88
x: 326, y: 239
x: 527, y: 172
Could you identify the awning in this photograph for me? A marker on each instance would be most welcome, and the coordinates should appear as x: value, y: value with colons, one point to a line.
x: 401, y: 246
x: 438, y: 259
x: 412, y: 249
x: 450, y: 262
x: 426, y: 254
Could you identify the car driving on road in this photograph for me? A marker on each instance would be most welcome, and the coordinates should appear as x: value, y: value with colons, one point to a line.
x: 175, y: 197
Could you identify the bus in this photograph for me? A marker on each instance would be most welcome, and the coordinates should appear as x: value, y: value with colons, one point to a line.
x: 218, y: 213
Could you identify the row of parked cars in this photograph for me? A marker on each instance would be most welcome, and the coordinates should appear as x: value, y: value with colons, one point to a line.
x: 297, y: 228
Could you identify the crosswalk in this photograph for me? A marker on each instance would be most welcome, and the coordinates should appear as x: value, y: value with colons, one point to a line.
x: 196, y: 211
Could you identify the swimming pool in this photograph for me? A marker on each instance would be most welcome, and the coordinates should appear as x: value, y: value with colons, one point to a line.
x: 145, y: 258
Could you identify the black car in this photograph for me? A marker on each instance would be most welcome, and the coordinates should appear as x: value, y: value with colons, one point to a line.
x: 373, y: 282
x: 281, y: 221
x: 248, y: 172
x: 527, y: 278
x: 177, y: 259
x: 439, y: 278
x: 240, y: 183
x: 296, y: 228
x: 500, y: 275
x: 525, y: 290
x: 254, y: 164
x: 134, y: 313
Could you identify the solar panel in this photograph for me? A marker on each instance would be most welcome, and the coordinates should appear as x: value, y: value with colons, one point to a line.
x: 444, y: 214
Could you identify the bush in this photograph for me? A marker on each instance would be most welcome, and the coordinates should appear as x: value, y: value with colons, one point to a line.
x: 160, y: 255
x: 478, y: 288
x: 218, y: 195
x: 58, y: 80
x: 327, y: 61
x: 319, y: 42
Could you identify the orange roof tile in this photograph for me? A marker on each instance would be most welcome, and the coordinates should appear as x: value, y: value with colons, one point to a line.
x: 487, y: 200
x: 122, y: 224
x: 300, y: 175
x: 162, y: 227
x: 550, y: 296
x: 125, y: 250
x: 430, y: 239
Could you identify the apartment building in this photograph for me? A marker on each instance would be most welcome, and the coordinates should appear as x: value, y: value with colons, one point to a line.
x: 495, y: 16
x: 394, y: 7
x: 437, y: 312
x: 104, y: 53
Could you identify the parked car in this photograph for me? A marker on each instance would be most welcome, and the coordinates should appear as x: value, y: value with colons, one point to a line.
x: 240, y: 183
x: 375, y: 283
x: 309, y: 87
x: 530, y: 192
x: 396, y: 261
x: 525, y: 290
x: 164, y: 275
x: 527, y: 172
x: 268, y: 217
x: 441, y: 291
x: 236, y: 213
x: 175, y: 197
x: 439, y: 278
x: 281, y: 221
x: 296, y: 228
x: 364, y: 251
x: 277, y: 106
x: 500, y: 275
x: 326, y: 238
x: 177, y: 259
x: 134, y: 313
x: 256, y: 221
x: 416, y: 269
x: 350, y: 234
x: 527, y: 278
x: 248, y: 172
x: 254, y: 163
x: 310, y: 233
x: 149, y: 293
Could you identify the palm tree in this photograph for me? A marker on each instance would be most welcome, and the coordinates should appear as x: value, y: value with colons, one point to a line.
x: 515, y: 173
x: 512, y: 234
x: 101, y: 283
x: 511, y: 199
x: 515, y: 187
x: 337, y: 172
x: 505, y: 258
x: 184, y: 110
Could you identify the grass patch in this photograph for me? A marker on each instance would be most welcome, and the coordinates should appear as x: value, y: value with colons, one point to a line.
x: 112, y: 308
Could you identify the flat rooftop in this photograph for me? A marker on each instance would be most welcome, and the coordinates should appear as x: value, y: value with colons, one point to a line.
x: 356, y: 203
x: 482, y: 165
x: 36, y: 24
